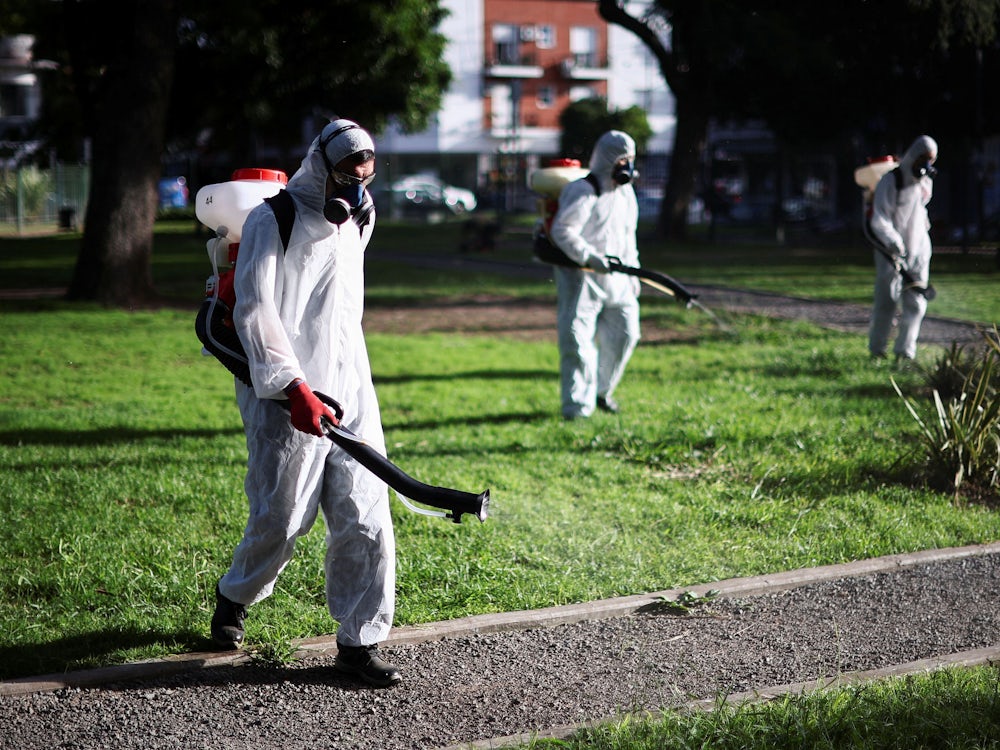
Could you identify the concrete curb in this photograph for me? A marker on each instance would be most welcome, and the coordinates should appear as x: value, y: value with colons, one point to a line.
x: 506, y: 621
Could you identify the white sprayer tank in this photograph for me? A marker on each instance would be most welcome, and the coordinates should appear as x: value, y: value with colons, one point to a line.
x: 550, y: 181
x: 223, y: 207
x: 868, y: 176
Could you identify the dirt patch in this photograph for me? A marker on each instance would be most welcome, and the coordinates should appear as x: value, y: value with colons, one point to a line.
x: 522, y: 318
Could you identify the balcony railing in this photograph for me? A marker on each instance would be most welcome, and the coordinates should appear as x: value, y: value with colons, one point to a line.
x: 511, y: 65
x: 585, y: 66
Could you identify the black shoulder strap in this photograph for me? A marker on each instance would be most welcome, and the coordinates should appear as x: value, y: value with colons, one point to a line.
x: 866, y: 226
x: 594, y: 182
x: 284, y: 212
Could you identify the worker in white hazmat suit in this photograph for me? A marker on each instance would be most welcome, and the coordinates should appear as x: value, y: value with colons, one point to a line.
x: 598, y: 312
x: 899, y: 222
x: 298, y: 314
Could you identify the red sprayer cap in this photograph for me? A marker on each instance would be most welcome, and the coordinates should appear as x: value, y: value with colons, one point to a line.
x: 564, y: 162
x: 266, y: 175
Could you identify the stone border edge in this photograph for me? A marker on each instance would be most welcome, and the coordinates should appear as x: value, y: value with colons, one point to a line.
x: 504, y: 621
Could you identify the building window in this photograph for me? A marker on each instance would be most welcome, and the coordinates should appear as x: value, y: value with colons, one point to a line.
x: 576, y: 93
x: 506, y: 44
x: 583, y: 47
x: 502, y: 107
x: 546, y: 97
x: 545, y: 36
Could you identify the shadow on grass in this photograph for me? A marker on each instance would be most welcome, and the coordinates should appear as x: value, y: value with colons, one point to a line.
x: 495, y: 419
x: 104, y: 436
x: 468, y: 375
x: 91, y: 650
x: 87, y: 660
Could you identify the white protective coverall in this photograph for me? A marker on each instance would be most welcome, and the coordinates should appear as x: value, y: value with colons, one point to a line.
x: 601, y: 306
x: 298, y: 314
x: 900, y: 223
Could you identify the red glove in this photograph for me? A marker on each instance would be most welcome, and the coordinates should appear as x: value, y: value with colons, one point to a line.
x: 307, y: 410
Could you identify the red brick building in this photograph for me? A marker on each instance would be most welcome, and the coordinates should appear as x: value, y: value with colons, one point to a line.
x: 539, y: 56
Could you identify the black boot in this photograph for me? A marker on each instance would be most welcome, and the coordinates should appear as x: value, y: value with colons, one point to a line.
x: 364, y: 662
x: 608, y: 404
x: 227, y: 622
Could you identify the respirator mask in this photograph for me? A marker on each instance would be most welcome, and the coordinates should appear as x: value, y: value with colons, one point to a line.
x: 924, y: 168
x: 346, y: 139
x: 347, y: 199
x: 624, y: 172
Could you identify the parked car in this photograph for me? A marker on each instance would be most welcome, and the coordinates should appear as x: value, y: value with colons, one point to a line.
x: 429, y: 191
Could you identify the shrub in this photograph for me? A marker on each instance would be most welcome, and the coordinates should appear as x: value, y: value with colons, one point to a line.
x: 961, y: 437
x: 35, y: 188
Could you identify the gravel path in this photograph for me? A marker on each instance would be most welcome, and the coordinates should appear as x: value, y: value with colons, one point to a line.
x: 476, y: 686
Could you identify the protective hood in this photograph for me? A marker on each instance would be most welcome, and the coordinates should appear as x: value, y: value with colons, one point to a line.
x: 341, y: 138
x: 922, y: 145
x: 610, y: 147
x: 308, y: 185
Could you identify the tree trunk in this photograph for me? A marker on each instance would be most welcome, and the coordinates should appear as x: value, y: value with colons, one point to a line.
x: 689, y: 147
x: 129, y: 99
x: 692, y: 95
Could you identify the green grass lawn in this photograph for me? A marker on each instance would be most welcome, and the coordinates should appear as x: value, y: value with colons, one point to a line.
x: 122, y: 458
x: 953, y: 708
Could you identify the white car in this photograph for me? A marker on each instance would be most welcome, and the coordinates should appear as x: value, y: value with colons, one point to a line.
x: 429, y: 190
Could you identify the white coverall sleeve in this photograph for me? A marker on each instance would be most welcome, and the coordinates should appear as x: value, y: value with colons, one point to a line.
x: 883, y: 210
x: 576, y: 204
x: 273, y: 364
x: 630, y: 254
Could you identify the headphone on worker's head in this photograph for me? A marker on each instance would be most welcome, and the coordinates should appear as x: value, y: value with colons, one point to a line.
x: 324, y: 142
x: 340, y: 207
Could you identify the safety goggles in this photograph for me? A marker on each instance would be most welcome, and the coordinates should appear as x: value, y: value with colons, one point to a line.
x: 345, y: 180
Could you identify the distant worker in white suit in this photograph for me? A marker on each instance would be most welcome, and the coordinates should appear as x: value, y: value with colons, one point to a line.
x: 598, y: 313
x: 899, y: 223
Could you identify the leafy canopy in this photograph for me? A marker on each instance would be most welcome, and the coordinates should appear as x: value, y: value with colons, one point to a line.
x: 584, y: 121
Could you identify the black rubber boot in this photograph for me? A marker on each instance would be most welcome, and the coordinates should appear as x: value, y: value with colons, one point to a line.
x: 364, y: 662
x: 608, y: 404
x: 227, y: 622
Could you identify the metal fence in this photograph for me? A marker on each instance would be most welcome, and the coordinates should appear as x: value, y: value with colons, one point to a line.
x: 33, y: 199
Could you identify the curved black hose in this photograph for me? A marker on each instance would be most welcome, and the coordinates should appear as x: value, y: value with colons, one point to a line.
x: 223, y: 342
x: 673, y: 286
x: 455, y: 501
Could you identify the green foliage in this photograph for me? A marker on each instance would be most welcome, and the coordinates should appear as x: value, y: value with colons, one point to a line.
x: 951, y: 371
x: 366, y: 61
x: 961, y: 437
x: 584, y: 121
x: 30, y: 186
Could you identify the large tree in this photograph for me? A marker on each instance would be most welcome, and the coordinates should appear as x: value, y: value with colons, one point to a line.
x: 812, y: 71
x: 225, y: 75
x: 123, y: 73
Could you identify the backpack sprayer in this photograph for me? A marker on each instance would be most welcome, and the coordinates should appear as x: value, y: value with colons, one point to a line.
x: 223, y: 208
x: 867, y: 178
x: 548, y: 183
